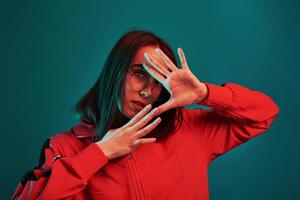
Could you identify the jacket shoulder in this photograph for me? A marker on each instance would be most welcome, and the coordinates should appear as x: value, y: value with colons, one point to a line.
x: 66, y: 143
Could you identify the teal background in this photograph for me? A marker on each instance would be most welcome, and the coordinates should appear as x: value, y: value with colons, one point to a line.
x: 53, y: 51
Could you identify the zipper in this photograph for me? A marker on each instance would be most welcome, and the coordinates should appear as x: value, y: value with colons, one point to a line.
x: 129, y: 156
x: 136, y: 179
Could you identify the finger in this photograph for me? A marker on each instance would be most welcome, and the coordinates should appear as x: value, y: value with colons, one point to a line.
x: 143, y: 141
x: 156, y: 65
x: 154, y: 74
x: 141, y: 123
x: 164, y: 107
x: 166, y: 59
x: 139, y: 115
x: 148, y: 128
x: 182, y: 58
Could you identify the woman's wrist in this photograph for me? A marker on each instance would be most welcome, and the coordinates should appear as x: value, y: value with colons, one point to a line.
x: 108, y: 152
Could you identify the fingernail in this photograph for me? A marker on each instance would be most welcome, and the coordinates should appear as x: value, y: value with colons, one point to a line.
x: 144, y: 64
x: 154, y: 110
x: 148, y: 106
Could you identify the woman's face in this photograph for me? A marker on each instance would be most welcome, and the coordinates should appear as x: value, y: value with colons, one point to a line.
x: 128, y: 107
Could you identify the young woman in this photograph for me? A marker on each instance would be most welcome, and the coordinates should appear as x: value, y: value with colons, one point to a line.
x: 135, y: 139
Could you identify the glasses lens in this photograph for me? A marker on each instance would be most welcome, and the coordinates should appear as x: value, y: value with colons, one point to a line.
x: 139, y: 81
x: 136, y: 81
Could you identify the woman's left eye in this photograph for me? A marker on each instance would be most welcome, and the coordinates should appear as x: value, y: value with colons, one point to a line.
x: 140, y: 74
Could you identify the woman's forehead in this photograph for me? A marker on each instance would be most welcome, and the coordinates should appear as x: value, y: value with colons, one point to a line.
x: 139, y: 56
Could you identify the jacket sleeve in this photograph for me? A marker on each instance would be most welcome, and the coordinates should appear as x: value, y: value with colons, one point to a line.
x: 59, y: 177
x: 237, y: 115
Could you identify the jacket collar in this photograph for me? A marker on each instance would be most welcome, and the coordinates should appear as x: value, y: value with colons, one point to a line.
x: 84, y: 130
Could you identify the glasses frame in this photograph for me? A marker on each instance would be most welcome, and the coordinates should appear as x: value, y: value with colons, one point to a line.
x: 153, y: 85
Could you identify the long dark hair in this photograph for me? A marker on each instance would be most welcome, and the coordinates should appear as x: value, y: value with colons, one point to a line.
x: 99, y: 105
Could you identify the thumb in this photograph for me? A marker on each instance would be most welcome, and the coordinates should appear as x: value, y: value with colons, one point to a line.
x: 164, y: 107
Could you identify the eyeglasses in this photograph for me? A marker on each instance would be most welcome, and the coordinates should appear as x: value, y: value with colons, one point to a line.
x: 139, y: 79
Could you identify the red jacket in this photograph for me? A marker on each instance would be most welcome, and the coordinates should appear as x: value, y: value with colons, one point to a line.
x: 75, y: 168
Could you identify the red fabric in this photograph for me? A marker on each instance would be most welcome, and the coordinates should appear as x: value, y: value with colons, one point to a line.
x: 174, y: 169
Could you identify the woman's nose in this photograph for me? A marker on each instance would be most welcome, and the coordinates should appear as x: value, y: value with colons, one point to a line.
x: 147, y: 90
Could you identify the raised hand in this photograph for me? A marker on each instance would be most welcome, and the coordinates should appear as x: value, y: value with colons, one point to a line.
x: 123, y: 140
x: 181, y: 83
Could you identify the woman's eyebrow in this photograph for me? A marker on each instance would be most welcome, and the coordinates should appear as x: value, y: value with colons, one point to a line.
x: 139, y: 66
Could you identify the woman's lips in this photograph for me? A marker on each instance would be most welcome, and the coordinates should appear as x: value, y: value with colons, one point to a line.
x: 137, y: 106
x: 140, y: 103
